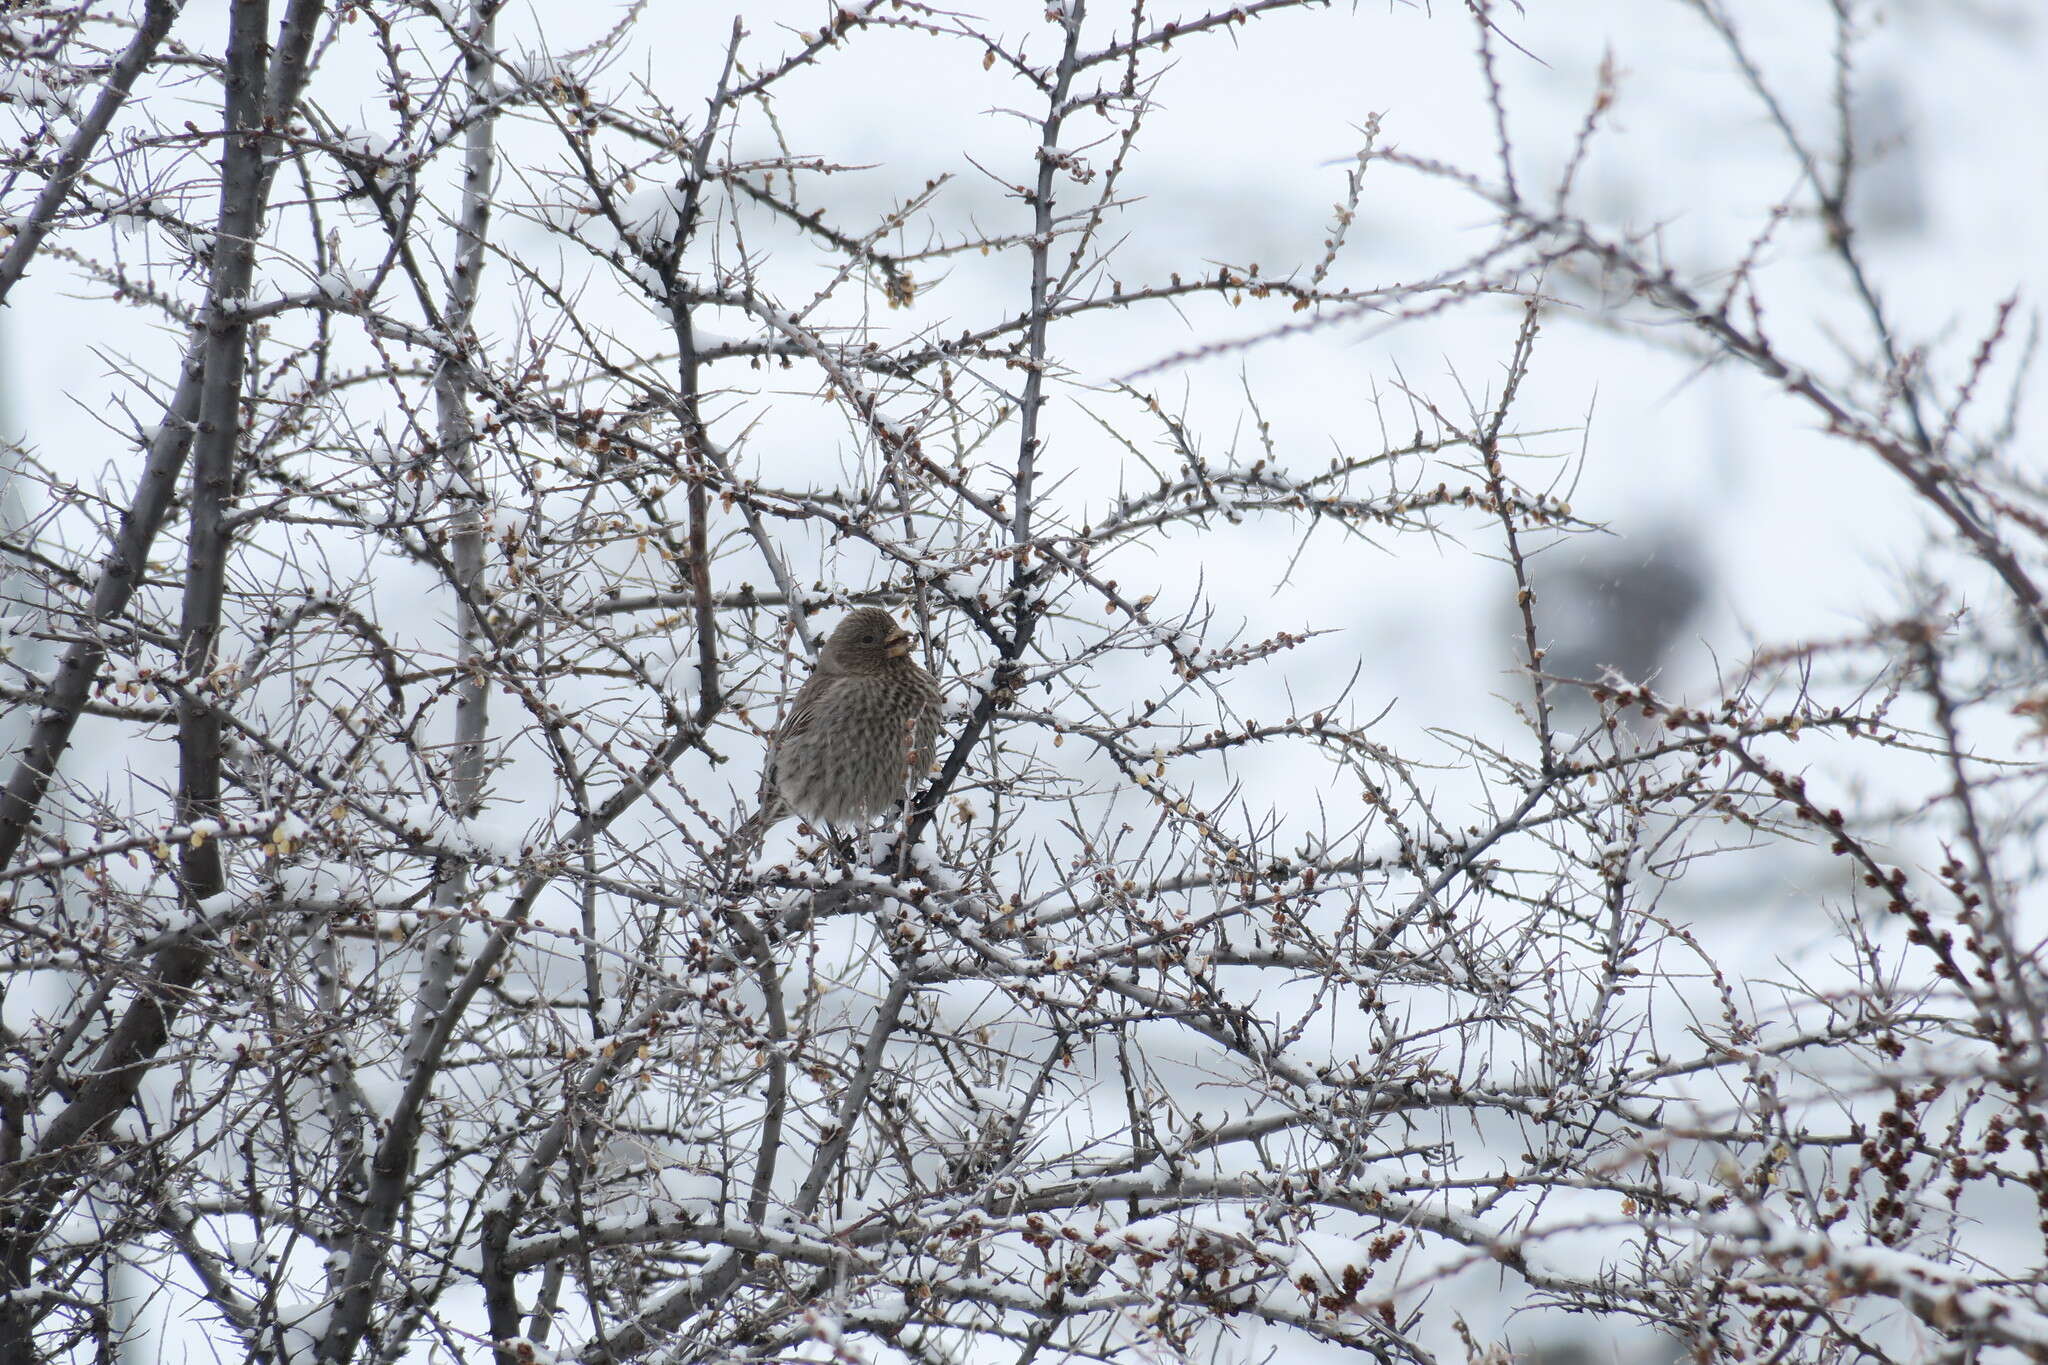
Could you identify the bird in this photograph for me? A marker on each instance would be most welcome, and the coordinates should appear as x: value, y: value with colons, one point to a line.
x: 864, y: 726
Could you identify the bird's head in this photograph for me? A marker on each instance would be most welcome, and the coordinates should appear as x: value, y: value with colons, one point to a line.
x: 867, y: 641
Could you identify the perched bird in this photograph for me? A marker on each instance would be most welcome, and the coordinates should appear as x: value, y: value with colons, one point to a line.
x: 863, y: 729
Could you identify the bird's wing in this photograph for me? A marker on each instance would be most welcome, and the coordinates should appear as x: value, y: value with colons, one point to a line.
x: 804, y: 709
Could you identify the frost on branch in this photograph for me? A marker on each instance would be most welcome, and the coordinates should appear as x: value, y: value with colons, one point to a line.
x: 1369, y: 897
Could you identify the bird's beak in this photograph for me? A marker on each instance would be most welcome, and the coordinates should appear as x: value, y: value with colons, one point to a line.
x: 898, y: 646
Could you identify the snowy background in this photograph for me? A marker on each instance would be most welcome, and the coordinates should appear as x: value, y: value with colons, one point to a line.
x: 1779, y: 534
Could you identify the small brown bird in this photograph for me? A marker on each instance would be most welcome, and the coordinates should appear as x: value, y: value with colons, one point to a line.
x: 864, y: 728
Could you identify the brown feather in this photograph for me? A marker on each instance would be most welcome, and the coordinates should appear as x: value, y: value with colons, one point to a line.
x: 862, y: 729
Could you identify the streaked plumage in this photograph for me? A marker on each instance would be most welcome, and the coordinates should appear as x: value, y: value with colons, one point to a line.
x: 863, y: 729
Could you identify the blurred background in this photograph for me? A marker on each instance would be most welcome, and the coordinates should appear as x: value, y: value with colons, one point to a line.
x: 1730, y: 521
